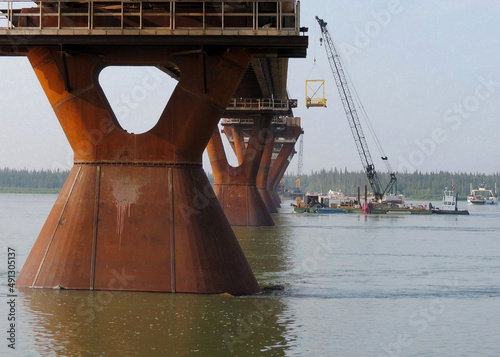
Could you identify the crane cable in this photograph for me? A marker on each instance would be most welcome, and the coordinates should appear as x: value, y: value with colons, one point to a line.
x: 370, y: 128
x: 314, y: 51
x: 365, y: 115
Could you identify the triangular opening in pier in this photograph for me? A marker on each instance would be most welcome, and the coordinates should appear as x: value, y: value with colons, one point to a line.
x: 137, y: 94
x: 228, y: 143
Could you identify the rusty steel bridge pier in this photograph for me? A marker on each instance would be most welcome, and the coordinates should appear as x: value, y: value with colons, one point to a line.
x: 278, y: 170
x: 246, y: 191
x: 284, y: 150
x: 141, y: 205
x: 236, y: 187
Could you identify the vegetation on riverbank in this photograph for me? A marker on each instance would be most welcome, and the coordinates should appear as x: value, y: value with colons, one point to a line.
x: 41, y: 181
x: 415, y: 186
x: 45, y: 181
x: 30, y: 190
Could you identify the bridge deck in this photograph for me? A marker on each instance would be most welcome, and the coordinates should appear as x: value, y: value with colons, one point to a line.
x: 266, y: 27
x: 153, y: 17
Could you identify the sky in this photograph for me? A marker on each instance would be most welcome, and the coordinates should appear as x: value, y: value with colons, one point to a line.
x: 426, y: 71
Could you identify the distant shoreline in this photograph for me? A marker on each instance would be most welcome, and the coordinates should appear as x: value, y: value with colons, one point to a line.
x: 31, y: 190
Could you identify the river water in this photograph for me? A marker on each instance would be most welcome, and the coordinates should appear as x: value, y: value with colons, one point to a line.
x: 355, y: 285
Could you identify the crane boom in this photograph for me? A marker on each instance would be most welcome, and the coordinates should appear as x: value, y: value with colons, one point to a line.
x: 352, y: 116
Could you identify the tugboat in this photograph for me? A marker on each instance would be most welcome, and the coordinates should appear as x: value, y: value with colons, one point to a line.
x: 449, y: 205
x: 481, y: 195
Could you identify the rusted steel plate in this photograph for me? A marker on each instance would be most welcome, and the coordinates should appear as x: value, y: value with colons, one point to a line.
x: 118, y: 223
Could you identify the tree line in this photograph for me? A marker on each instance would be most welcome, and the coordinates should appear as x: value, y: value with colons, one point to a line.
x: 32, y: 178
x: 417, y: 185
x: 39, y: 179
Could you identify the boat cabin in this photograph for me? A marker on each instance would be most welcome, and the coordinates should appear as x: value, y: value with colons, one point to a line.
x: 314, y: 200
x: 449, y: 200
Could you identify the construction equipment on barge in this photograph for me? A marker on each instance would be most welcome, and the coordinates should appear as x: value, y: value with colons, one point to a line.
x: 352, y: 116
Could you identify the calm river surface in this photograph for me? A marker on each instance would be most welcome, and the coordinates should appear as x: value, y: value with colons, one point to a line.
x: 355, y: 285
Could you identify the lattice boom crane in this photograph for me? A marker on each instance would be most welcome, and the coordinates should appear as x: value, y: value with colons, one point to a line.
x: 352, y: 116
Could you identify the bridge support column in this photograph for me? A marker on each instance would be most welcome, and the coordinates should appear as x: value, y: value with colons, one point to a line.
x: 276, y: 197
x: 278, y: 170
x: 262, y: 176
x: 137, y: 212
x: 235, y: 187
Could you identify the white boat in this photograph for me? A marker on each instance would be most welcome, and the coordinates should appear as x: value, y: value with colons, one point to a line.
x: 449, y: 204
x: 394, y: 198
x: 482, y: 195
x: 336, y: 195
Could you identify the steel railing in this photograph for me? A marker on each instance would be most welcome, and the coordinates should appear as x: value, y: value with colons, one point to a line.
x: 261, y: 104
x: 258, y: 16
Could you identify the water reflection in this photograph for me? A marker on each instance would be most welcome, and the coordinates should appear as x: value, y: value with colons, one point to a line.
x: 268, y: 249
x: 153, y: 324
x: 353, y: 284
